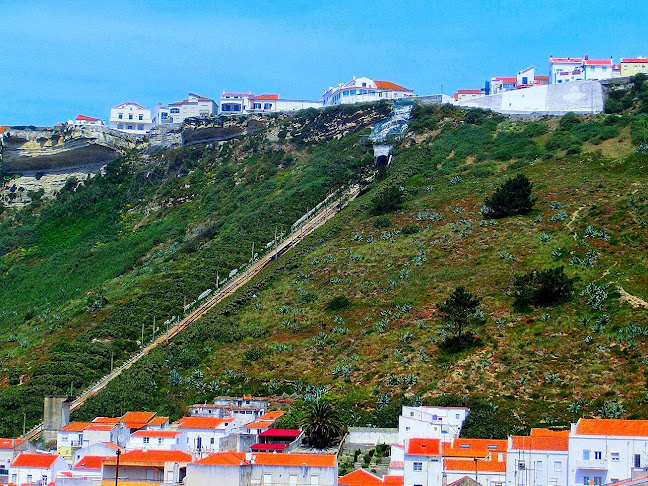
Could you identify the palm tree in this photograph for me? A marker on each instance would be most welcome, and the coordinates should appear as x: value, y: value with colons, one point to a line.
x: 321, y: 424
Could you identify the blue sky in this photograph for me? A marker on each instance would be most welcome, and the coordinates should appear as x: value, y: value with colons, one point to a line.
x: 59, y: 58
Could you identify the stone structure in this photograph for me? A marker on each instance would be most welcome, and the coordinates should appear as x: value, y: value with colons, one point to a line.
x: 56, y: 414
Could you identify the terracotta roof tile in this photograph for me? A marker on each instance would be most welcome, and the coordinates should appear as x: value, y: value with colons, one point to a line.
x: 282, y: 433
x: 90, y: 462
x: 612, y: 427
x: 202, y: 422
x: 641, y: 60
x: 537, y: 432
x: 390, y: 86
x: 424, y: 447
x: 539, y: 443
x: 259, y: 424
x: 266, y: 97
x: 230, y: 458
x: 274, y: 415
x: 359, y: 477
x: 10, y: 443
x: 150, y: 457
x: 469, y: 465
x: 43, y: 461
x: 158, y: 421
x: 75, y: 427
x: 106, y: 420
x: 393, y: 480
x: 156, y: 433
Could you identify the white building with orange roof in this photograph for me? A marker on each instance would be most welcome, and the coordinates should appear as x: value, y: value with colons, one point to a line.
x: 98, y: 432
x: 70, y: 438
x: 158, y: 439
x: 423, y: 462
x: 541, y: 458
x: 360, y: 477
x: 240, y: 469
x: 487, y: 472
x: 193, y: 106
x: 83, y: 120
x: 30, y: 468
x: 9, y: 449
x: 147, y: 468
x: 607, y: 450
x: 157, y: 423
x: 136, y: 420
x: 431, y: 422
x: 233, y: 103
x: 103, y: 449
x: 597, y: 69
x: 630, y: 66
x: 204, y: 434
x: 364, y: 90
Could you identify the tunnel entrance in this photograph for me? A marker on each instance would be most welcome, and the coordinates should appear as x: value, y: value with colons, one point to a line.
x: 382, y: 160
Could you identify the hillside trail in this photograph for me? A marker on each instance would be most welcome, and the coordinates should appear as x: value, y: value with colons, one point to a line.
x: 633, y: 300
x: 328, y: 211
x: 573, y: 218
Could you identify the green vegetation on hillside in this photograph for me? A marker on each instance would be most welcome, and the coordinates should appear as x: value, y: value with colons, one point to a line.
x: 352, y: 314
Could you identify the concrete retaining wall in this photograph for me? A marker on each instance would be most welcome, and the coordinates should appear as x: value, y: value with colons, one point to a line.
x: 372, y: 436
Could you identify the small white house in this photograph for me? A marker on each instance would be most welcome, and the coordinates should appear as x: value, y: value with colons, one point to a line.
x: 83, y: 120
x: 541, y: 458
x: 175, y: 440
x: 565, y: 69
x: 131, y: 118
x: 30, y: 468
x: 364, y: 90
x: 247, y: 103
x: 203, y: 434
x: 9, y: 449
x: 597, y: 69
x: 153, y: 467
x: 102, y: 449
x: 96, y: 433
x: 431, y: 422
x: 423, y: 463
x: 192, y: 106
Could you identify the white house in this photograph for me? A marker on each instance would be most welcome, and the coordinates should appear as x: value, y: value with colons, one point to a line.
x: 364, y: 90
x: 239, y: 469
x: 467, y: 94
x: 9, y: 449
x: 132, y: 118
x: 607, y: 450
x: 152, y: 467
x: 565, y: 69
x: 70, y: 438
x: 481, y: 459
x: 103, y: 449
x: 423, y: 464
x: 192, y: 106
x: 431, y: 422
x: 203, y: 434
x: 175, y: 440
x: 83, y: 120
x: 29, y: 468
x: 246, y: 103
x: 539, y: 459
x: 96, y: 433
x: 499, y: 84
x: 598, y: 68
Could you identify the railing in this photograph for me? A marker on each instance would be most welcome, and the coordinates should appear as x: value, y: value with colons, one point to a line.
x: 596, y: 464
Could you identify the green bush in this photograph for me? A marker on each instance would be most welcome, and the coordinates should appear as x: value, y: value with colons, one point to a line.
x: 390, y: 199
x: 511, y: 198
x: 338, y: 303
x: 382, y: 222
x: 253, y: 354
x: 543, y: 287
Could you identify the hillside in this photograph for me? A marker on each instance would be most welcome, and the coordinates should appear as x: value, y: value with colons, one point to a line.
x: 132, y: 244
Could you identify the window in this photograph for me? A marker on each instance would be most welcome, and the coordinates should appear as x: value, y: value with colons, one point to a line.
x: 457, y: 416
x: 44, y: 478
x: 159, y: 441
x: 120, y: 126
x: 141, y: 117
x: 586, y: 455
x: 314, y: 480
x: 637, y: 460
x: 492, y: 446
x: 140, y: 127
x: 267, y: 106
x: 267, y: 479
x: 29, y: 478
x: 257, y: 106
x: 585, y: 480
x: 211, y: 441
x: 14, y: 478
x: 418, y: 466
x: 557, y: 466
x: 177, y: 110
x: 130, y: 116
x: 120, y: 116
x: 598, y: 455
x: 147, y: 440
x: 614, y: 456
x: 130, y: 127
x: 539, y: 465
x: 292, y: 480
x: 407, y: 428
x: 598, y: 480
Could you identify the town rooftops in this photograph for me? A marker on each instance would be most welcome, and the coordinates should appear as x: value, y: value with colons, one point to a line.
x: 137, y: 420
x: 566, y: 60
x: 43, y: 461
x: 268, y: 459
x: 539, y: 443
x: 90, y: 462
x: 259, y: 424
x: 390, y: 86
x: 158, y: 421
x: 269, y: 447
x: 149, y: 457
x: 10, y: 443
x: 86, y: 118
x: 4, y: 128
x: 615, y: 427
x: 274, y: 415
x: 156, y: 433
x: 281, y: 433
x: 424, y: 447
x: 75, y: 427
x: 202, y: 422
x: 106, y: 420
x: 100, y: 427
x: 471, y: 465
x: 473, y: 447
x: 643, y: 60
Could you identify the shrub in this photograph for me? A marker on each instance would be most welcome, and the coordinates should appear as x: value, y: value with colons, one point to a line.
x: 458, y: 314
x: 543, y: 287
x: 510, y: 198
x: 338, y: 303
x: 253, y: 354
x: 389, y: 200
x: 382, y: 222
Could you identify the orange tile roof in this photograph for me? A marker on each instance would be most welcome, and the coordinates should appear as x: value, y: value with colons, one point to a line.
x: 202, y: 422
x: 230, y: 458
x: 424, y: 447
x: 156, y: 433
x: 390, y: 85
x: 150, y: 457
x: 549, y: 433
x: 274, y: 415
x: 393, y: 480
x: 90, y: 462
x: 137, y: 417
x: 110, y: 444
x: 259, y: 424
x: 158, y: 421
x: 466, y: 445
x: 10, y: 443
x: 3, y: 128
x: 75, y: 427
x: 106, y: 420
x: 100, y: 427
x: 266, y: 97
x: 612, y: 427
x: 359, y: 477
x: 539, y: 443
x: 642, y: 60
x: 26, y: 459
x: 469, y: 465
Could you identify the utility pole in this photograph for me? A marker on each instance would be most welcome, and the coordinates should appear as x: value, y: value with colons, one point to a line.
x: 24, y: 422
x: 253, y: 251
x: 217, y: 280
x: 275, y: 243
x: 153, y: 327
x: 142, y: 335
x: 117, y: 468
x: 112, y: 361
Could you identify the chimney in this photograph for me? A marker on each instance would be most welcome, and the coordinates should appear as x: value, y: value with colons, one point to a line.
x: 587, y: 58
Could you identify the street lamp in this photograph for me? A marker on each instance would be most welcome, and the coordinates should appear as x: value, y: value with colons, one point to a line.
x: 117, y: 468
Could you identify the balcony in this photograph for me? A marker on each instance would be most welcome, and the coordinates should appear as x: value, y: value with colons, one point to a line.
x: 592, y: 464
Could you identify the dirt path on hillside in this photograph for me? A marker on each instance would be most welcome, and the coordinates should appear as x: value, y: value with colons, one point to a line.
x: 573, y: 218
x: 633, y: 300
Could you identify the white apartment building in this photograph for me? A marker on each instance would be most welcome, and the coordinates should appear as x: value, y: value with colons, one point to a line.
x: 191, y: 107
x: 30, y: 468
x: 83, y: 120
x: 632, y: 66
x: 131, y: 118
x: 444, y: 423
x: 568, y: 69
x: 540, y: 459
x: 203, y: 434
x: 170, y: 440
x: 364, y: 90
x: 247, y: 103
x: 423, y: 463
x: 598, y: 69
x: 605, y: 451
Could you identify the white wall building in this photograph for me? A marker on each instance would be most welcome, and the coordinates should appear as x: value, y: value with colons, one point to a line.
x: 96, y: 433
x: 467, y: 94
x: 597, y: 69
x: 539, y: 459
x: 175, y: 440
x: 103, y: 449
x: 152, y: 467
x: 605, y: 451
x: 499, y: 84
x: 423, y: 463
x: 565, y: 69
x: 246, y: 103
x: 203, y: 434
x: 29, y: 468
x: 83, y: 120
x: 131, y: 118
x: 192, y: 106
x: 431, y: 422
x: 364, y: 90
x: 264, y: 469
x: 9, y: 449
